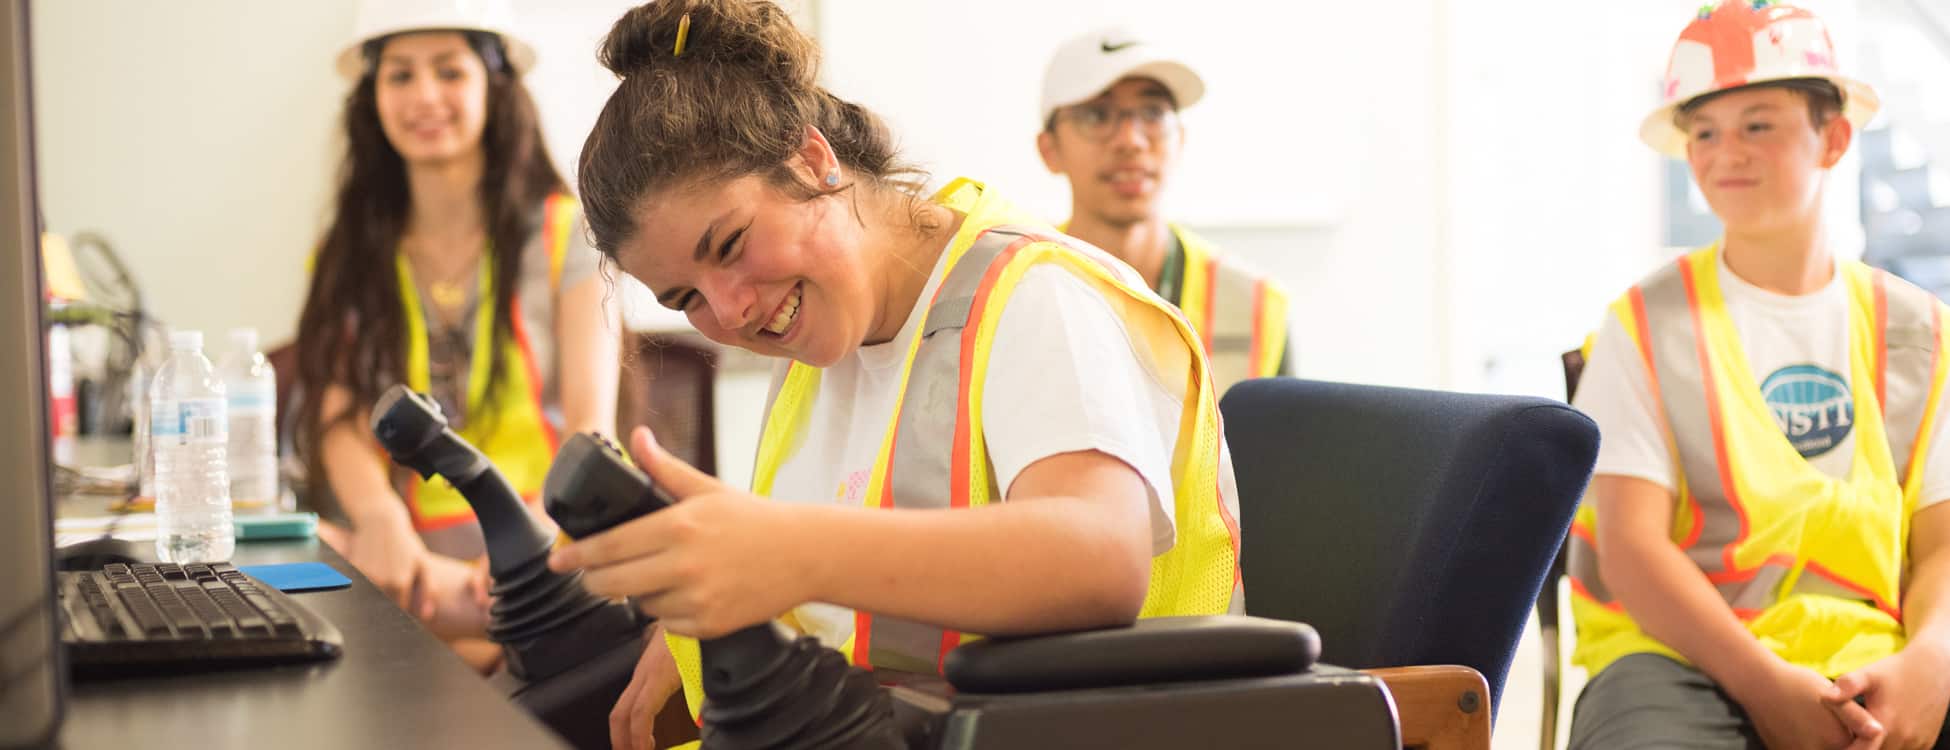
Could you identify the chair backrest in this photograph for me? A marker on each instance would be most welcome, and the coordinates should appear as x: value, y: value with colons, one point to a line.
x: 1573, y: 370
x: 667, y: 383
x: 1407, y: 526
x: 284, y: 367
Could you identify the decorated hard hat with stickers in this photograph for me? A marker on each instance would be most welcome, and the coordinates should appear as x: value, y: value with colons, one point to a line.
x: 1745, y: 42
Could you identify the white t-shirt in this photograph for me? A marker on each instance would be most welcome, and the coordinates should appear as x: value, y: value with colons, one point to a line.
x: 1798, y: 348
x: 1062, y: 377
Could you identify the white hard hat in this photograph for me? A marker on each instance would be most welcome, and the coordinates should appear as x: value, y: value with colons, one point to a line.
x: 1085, y: 66
x: 1741, y: 43
x: 378, y: 18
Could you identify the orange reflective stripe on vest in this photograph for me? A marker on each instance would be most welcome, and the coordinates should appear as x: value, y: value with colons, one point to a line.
x: 1240, y: 317
x: 930, y: 440
x: 1795, y: 554
x: 509, y: 425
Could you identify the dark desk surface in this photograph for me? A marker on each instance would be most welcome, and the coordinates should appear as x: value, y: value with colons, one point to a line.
x: 396, y: 686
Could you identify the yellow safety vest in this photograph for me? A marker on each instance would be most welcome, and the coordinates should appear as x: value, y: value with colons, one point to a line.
x: 1241, y: 316
x: 1812, y: 564
x: 933, y: 453
x: 509, y: 424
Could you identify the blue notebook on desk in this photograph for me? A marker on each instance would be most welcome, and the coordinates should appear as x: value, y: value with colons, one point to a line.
x: 292, y: 578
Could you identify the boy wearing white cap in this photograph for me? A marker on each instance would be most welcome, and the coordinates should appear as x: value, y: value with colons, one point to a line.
x: 1110, y: 125
x: 1767, y: 514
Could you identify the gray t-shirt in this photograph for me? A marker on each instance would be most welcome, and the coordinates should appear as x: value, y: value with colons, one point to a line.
x: 539, y: 301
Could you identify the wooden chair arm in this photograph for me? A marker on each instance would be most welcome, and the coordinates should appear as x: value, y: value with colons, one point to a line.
x: 1441, y: 707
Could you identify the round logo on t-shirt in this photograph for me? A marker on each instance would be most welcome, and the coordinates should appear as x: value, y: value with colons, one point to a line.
x: 1813, y: 407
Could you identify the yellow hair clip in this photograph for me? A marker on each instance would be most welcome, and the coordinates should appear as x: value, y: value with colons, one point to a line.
x: 683, y: 30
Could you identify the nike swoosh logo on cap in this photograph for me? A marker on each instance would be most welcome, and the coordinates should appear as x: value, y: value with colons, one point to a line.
x: 1109, y: 48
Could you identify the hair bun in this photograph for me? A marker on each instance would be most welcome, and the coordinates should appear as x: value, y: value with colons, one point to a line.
x: 750, y: 35
x: 631, y: 46
x: 736, y: 102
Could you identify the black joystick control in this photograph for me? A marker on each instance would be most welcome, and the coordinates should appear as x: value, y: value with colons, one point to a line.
x: 764, y: 687
x: 568, y: 654
x: 591, y: 487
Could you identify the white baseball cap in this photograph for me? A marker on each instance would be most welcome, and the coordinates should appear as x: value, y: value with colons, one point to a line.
x: 1085, y: 66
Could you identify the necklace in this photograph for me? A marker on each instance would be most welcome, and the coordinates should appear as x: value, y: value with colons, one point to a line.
x: 450, y: 291
x: 448, y: 294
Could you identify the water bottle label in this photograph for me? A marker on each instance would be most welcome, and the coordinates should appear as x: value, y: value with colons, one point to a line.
x: 244, y: 401
x: 198, y: 420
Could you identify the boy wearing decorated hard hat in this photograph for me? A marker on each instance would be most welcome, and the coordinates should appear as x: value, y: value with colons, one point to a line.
x: 1767, y: 555
x: 1110, y: 105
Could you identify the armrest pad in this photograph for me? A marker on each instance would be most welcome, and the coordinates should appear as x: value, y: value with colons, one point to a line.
x: 1442, y: 707
x: 1157, y: 650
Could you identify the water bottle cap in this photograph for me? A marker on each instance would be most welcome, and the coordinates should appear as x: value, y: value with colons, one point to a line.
x: 244, y: 338
x: 186, y: 340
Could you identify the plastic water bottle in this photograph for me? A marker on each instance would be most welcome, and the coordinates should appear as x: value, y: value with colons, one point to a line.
x: 252, y: 388
x: 189, y: 433
x: 140, y: 382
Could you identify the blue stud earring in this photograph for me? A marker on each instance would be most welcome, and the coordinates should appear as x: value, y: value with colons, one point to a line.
x: 833, y: 178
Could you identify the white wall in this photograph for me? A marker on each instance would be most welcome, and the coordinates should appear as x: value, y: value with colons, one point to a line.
x: 195, y: 137
x: 1310, y: 154
x: 1554, y: 204
x: 202, y: 137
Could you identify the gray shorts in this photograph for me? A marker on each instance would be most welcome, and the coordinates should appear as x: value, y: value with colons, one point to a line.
x: 1650, y: 701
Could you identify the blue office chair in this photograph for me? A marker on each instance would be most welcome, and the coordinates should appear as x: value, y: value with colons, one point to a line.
x: 1409, y: 527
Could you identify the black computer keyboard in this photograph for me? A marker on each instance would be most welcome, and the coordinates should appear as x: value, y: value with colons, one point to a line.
x: 163, y: 617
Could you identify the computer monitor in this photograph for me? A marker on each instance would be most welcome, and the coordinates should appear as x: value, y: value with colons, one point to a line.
x: 31, y: 673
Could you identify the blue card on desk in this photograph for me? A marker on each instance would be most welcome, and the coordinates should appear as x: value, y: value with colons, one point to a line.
x: 295, y: 577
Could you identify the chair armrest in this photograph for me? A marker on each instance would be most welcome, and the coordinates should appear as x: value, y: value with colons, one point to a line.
x: 1153, y: 651
x: 1441, y: 707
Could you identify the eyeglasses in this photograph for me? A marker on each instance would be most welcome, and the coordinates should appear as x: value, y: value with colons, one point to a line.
x: 1098, y: 123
